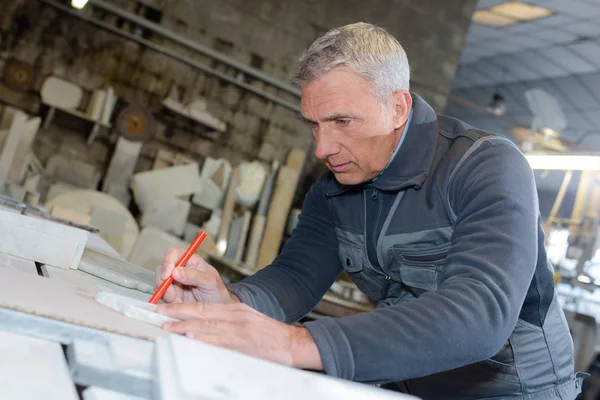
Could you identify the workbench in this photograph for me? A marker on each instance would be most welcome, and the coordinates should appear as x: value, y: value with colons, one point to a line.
x: 53, y: 348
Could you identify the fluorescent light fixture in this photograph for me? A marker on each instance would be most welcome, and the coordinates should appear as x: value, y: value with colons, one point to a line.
x: 564, y: 163
x: 584, y: 279
x: 78, y: 4
x: 486, y: 17
x: 519, y: 11
x: 597, y: 282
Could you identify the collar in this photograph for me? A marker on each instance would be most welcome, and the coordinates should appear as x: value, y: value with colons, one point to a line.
x: 411, y: 165
x: 399, y: 144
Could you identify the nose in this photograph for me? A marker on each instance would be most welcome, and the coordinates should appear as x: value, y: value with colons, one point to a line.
x: 326, y: 147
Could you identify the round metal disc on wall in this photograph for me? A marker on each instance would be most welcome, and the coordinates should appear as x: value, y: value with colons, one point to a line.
x: 135, y: 123
x: 18, y: 76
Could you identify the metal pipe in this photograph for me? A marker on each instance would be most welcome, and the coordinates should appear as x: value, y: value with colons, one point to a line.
x: 156, y: 28
x: 183, y: 59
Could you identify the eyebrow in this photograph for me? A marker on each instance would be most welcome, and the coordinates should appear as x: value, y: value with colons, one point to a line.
x: 331, y: 117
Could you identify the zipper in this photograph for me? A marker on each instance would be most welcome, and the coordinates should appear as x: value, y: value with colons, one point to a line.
x: 374, y: 195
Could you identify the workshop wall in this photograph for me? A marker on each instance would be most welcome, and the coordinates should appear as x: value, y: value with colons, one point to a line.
x: 268, y: 35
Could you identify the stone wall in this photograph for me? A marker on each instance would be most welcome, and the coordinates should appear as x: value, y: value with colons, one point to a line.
x: 269, y: 35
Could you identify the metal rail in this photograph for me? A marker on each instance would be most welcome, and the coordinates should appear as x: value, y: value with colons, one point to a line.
x: 186, y: 60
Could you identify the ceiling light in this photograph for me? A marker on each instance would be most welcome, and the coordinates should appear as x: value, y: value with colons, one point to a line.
x: 564, y: 163
x: 584, y: 279
x: 485, y: 17
x: 78, y: 4
x: 520, y: 11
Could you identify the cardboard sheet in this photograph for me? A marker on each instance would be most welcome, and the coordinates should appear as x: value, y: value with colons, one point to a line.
x: 62, y: 301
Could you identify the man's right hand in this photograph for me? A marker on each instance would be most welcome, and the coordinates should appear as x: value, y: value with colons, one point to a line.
x: 198, y: 281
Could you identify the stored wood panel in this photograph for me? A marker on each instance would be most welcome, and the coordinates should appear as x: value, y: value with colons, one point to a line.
x: 277, y: 216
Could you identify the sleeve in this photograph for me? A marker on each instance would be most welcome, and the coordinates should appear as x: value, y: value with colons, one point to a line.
x: 308, y: 265
x: 484, y: 282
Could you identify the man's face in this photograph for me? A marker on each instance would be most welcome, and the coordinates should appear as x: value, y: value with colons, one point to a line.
x: 356, y: 134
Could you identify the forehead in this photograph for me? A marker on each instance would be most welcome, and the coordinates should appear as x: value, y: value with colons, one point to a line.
x: 338, y: 89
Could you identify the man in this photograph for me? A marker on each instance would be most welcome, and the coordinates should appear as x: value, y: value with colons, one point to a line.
x: 436, y: 221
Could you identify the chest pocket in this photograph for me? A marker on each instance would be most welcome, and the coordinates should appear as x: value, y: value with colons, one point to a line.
x: 351, y: 251
x: 417, y: 269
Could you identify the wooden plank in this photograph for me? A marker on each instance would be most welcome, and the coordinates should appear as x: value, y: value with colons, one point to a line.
x: 33, y: 369
x: 41, y: 240
x: 260, y: 220
x: 227, y: 215
x: 277, y: 217
x: 295, y: 159
x: 66, y: 302
x: 256, y: 235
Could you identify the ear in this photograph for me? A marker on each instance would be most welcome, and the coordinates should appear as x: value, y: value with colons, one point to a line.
x: 402, y: 103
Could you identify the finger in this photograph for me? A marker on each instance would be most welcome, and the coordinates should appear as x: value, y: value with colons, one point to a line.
x: 171, y: 295
x: 197, y: 311
x: 172, y: 256
x: 195, y: 277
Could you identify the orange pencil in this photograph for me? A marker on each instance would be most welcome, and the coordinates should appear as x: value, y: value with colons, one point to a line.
x: 181, y: 263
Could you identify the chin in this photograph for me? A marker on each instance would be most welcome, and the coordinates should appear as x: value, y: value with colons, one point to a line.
x: 348, y: 179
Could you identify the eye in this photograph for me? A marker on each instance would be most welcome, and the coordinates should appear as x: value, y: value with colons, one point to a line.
x: 342, y: 122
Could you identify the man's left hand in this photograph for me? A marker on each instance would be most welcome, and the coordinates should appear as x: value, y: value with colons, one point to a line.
x: 241, y: 328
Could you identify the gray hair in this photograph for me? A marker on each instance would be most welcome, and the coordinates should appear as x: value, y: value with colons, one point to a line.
x: 365, y: 49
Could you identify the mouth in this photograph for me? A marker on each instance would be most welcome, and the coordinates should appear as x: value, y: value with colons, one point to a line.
x: 341, y: 167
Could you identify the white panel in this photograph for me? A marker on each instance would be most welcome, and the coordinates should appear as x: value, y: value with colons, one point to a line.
x: 591, y: 81
x: 576, y: 121
x: 594, y: 116
x: 588, y: 50
x: 554, y: 35
x: 523, y: 27
x: 576, y: 93
x: 516, y: 71
x: 555, y: 20
x: 588, y: 29
x: 570, y: 62
x: 574, y: 7
x: 544, y: 67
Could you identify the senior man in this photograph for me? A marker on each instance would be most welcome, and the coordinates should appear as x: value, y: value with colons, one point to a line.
x: 435, y: 220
